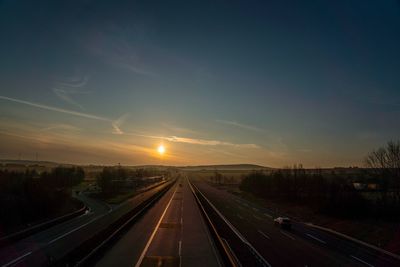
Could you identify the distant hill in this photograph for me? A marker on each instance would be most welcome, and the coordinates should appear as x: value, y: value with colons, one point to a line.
x: 226, y: 167
x: 31, y: 162
x: 232, y: 167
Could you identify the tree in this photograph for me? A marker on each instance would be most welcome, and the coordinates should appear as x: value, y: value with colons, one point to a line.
x: 385, y: 164
x: 104, y: 180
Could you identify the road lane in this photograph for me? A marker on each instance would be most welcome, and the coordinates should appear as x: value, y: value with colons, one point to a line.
x: 180, y: 237
x: 126, y: 251
x: 59, y: 240
x: 24, y: 247
x: 331, y: 241
x: 283, y: 247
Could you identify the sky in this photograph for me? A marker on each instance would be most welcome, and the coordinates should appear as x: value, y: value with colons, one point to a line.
x: 216, y: 82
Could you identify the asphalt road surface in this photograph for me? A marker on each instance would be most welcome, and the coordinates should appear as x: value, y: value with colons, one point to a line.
x: 171, y: 233
x: 55, y: 242
x: 300, y: 246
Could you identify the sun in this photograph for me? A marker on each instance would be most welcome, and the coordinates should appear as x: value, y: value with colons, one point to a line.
x: 161, y: 149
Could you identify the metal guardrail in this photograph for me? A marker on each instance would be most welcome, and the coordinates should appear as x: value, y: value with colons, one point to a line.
x: 260, y: 259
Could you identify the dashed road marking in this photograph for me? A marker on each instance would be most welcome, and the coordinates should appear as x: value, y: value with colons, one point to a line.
x: 17, y: 259
x: 316, y: 238
x: 263, y: 234
x: 139, y: 262
x: 362, y: 261
x: 286, y: 234
x: 258, y: 218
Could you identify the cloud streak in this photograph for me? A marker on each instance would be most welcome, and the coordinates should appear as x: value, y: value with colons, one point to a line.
x: 118, y: 122
x: 240, y: 125
x: 66, y: 96
x: 75, y: 83
x: 207, y: 142
x: 198, y: 141
x: 60, y: 110
x: 65, y: 90
x: 56, y: 109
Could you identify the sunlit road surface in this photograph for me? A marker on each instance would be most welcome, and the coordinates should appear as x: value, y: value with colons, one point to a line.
x: 171, y: 233
x: 301, y: 246
x: 56, y: 241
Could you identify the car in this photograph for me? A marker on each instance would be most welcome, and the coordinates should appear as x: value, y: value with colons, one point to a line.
x: 283, y: 222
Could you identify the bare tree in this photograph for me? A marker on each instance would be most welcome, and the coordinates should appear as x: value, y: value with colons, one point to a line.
x: 385, y: 163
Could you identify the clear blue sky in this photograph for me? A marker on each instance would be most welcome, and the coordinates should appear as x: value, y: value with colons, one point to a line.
x: 265, y: 82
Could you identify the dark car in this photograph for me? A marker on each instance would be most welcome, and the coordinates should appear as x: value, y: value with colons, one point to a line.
x: 283, y: 222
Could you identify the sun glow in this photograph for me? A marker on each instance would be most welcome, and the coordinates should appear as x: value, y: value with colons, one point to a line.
x: 161, y: 149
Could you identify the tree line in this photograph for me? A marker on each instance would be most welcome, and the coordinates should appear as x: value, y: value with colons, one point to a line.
x: 111, y: 180
x: 30, y: 196
x: 333, y: 193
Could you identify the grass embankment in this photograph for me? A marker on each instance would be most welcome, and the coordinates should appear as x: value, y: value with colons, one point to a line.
x: 115, y: 198
x: 123, y: 196
x: 383, y: 234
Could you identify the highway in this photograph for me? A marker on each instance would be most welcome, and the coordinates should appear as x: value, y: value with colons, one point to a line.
x: 171, y: 233
x: 301, y: 246
x: 54, y: 243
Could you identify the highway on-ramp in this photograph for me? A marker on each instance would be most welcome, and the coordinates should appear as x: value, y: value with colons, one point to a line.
x: 54, y: 243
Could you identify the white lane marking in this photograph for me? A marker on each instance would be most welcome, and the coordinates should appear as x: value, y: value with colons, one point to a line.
x: 57, y: 238
x: 258, y: 218
x: 233, y: 228
x: 286, y: 234
x: 17, y: 259
x: 362, y: 261
x: 316, y: 238
x: 180, y: 253
x: 240, y: 217
x: 73, y: 230
x: 266, y: 214
x: 263, y: 234
x: 154, y: 232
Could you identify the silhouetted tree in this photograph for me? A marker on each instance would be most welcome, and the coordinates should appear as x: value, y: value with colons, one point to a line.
x: 385, y: 164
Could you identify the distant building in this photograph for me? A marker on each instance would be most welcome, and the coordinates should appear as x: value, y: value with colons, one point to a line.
x: 366, y: 186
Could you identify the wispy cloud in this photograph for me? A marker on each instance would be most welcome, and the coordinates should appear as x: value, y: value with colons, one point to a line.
x: 182, y: 130
x: 66, y: 90
x: 197, y: 141
x: 240, y: 125
x: 62, y: 127
x: 112, y: 46
x: 118, y: 122
x: 56, y: 109
x: 75, y: 82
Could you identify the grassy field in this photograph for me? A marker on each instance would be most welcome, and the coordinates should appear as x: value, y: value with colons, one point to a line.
x: 232, y: 176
